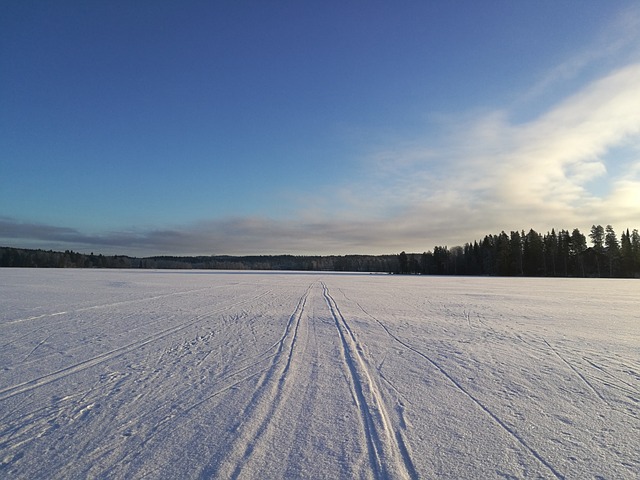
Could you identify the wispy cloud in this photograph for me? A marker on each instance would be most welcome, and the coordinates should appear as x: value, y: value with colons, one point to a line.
x: 495, y: 174
x: 618, y: 43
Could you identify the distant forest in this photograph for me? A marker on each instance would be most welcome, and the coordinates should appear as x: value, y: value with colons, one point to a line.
x: 561, y: 254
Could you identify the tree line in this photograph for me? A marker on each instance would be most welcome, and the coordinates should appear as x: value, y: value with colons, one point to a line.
x: 532, y: 254
x: 554, y: 254
x: 19, y: 257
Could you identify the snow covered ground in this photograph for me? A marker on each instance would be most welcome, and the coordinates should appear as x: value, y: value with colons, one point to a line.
x: 173, y: 374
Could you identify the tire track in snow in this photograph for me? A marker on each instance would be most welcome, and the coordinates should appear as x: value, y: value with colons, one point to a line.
x: 256, y: 418
x: 462, y: 389
x: 9, y: 392
x: 388, y: 452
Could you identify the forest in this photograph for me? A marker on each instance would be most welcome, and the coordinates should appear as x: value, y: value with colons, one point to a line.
x: 531, y: 254
x: 554, y: 254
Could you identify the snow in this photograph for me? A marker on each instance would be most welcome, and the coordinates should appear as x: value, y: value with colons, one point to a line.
x: 174, y: 374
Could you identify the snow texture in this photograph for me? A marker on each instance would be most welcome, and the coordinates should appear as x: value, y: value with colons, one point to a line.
x: 172, y: 374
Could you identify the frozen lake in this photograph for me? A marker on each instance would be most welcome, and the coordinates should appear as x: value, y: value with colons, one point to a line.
x: 174, y: 374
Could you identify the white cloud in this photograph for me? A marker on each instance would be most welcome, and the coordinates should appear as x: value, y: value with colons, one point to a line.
x: 492, y: 174
x: 619, y: 41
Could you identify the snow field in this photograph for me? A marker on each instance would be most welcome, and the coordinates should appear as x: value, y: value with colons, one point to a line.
x: 172, y: 374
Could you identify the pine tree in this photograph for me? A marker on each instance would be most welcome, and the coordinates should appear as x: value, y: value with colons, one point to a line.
x: 403, y: 262
x: 533, y: 254
x: 551, y: 251
x: 577, y: 245
x: 612, y: 248
x: 503, y: 254
x: 597, y: 239
x: 516, y: 253
x: 563, y: 252
x: 626, y: 254
x: 635, y: 249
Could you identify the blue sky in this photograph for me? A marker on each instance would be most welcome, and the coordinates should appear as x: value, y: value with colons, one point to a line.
x: 242, y: 127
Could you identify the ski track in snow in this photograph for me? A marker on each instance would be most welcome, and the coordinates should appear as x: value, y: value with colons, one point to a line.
x: 387, y: 450
x: 52, y: 377
x: 123, y: 374
x: 481, y: 405
x: 105, y: 305
x: 267, y: 400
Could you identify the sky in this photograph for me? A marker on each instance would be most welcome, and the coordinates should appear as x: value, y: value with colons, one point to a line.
x: 336, y: 127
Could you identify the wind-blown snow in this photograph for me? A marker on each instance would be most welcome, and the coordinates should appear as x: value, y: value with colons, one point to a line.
x: 171, y: 374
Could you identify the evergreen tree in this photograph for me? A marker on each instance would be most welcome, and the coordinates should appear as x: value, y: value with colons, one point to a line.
x: 456, y: 261
x: 597, y: 239
x: 403, y: 262
x: 612, y: 248
x: 441, y: 260
x: 635, y: 253
x: 533, y: 254
x: 424, y: 263
x: 564, y: 239
x: 626, y: 255
x: 487, y: 255
x: 503, y: 254
x: 578, y: 242
x: 516, y: 253
x: 551, y: 252
x: 577, y: 246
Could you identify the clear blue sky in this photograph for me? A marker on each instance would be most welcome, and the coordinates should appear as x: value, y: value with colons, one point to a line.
x: 197, y: 127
